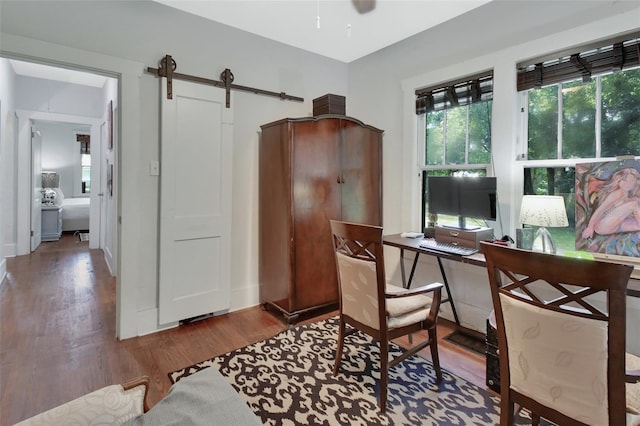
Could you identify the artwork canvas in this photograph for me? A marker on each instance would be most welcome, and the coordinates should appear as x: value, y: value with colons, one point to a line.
x: 608, y: 207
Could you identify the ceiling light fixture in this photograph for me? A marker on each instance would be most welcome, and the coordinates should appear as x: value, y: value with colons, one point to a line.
x: 318, y: 15
x: 364, y: 6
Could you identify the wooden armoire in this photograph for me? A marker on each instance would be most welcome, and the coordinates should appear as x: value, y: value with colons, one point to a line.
x: 312, y: 170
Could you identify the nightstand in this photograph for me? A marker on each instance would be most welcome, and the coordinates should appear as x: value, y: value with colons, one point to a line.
x: 51, y: 223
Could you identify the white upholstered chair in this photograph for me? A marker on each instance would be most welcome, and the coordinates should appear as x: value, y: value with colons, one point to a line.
x: 561, y: 337
x: 382, y: 311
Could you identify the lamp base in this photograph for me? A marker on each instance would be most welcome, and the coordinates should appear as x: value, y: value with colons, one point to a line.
x: 543, y: 242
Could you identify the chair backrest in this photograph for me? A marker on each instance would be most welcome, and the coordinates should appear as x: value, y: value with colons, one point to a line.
x: 361, y: 274
x: 561, y: 333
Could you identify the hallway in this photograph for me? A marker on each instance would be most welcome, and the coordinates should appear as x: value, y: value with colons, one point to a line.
x: 57, y: 328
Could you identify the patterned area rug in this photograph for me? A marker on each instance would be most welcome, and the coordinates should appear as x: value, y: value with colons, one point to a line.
x: 288, y: 380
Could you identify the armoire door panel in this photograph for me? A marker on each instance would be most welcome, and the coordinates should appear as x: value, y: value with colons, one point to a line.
x: 316, y: 195
x: 361, y: 162
x: 275, y: 227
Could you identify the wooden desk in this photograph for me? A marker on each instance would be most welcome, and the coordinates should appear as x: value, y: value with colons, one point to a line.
x: 413, y: 244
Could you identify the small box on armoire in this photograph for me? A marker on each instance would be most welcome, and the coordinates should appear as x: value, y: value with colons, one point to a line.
x: 329, y: 104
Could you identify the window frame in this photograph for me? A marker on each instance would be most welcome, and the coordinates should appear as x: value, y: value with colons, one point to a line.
x: 425, y: 168
x: 522, y: 162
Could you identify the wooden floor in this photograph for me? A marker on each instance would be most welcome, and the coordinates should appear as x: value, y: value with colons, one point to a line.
x: 57, y: 334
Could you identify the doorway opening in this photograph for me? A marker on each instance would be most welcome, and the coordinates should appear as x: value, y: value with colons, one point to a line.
x: 66, y: 108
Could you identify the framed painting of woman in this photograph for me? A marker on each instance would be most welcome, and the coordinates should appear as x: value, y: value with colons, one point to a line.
x: 608, y: 207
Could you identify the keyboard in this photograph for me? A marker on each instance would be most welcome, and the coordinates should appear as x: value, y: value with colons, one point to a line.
x: 448, y: 248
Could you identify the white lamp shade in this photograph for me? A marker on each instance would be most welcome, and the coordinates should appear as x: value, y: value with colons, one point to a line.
x: 543, y: 210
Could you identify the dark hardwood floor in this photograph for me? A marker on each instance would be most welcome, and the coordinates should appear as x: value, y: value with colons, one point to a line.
x: 57, y: 334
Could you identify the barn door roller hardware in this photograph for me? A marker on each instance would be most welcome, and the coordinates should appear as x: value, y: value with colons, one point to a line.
x: 168, y: 67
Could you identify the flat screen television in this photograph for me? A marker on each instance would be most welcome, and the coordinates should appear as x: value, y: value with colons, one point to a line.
x: 463, y: 196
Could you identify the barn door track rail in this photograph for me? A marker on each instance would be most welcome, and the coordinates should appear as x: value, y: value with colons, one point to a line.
x: 168, y: 67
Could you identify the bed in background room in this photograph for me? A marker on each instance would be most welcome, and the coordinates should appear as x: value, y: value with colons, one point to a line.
x: 75, y: 212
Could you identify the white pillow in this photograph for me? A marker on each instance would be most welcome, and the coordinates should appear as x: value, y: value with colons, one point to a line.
x: 59, y: 196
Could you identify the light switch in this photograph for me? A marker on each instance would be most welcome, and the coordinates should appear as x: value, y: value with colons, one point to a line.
x: 154, y: 168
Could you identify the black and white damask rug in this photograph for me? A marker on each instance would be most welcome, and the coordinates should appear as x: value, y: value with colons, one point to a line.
x: 288, y: 380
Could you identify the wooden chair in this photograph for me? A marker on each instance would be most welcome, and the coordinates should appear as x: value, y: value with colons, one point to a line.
x: 561, y: 336
x: 112, y: 404
x: 382, y: 311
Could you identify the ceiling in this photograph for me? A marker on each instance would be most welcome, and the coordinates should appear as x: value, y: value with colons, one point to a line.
x: 348, y: 29
x: 332, y: 28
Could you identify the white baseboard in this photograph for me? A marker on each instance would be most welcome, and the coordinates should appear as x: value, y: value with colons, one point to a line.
x: 241, y: 298
x: 148, y: 322
x: 108, y: 259
x: 9, y: 250
x: 244, y: 297
x: 3, y: 270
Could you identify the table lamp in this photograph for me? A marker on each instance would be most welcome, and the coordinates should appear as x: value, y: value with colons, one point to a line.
x: 543, y: 211
x: 50, y: 180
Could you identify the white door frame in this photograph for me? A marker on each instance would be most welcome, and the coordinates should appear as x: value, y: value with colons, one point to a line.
x: 23, y: 225
x: 128, y: 74
x: 36, y: 187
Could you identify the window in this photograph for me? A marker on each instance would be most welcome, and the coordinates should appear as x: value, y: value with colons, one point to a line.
x: 85, y: 162
x: 454, y: 128
x: 575, y: 109
x: 596, y: 119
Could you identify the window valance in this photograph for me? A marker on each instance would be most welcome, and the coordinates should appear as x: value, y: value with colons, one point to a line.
x: 460, y: 92
x: 85, y: 143
x: 583, y: 63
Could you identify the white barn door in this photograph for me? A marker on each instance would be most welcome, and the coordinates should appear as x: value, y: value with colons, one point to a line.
x: 195, y: 202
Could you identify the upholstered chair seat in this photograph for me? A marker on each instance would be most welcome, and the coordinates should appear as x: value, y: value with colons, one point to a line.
x: 405, y: 310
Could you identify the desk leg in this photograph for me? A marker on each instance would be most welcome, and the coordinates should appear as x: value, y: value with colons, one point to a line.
x: 405, y: 283
x: 449, y: 297
x: 404, y: 280
x: 413, y: 270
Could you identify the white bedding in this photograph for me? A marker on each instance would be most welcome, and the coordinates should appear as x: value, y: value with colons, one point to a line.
x: 75, y: 214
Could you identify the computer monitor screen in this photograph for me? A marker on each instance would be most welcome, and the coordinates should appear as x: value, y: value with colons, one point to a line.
x: 463, y: 196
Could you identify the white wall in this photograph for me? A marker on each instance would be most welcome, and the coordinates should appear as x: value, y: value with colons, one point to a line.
x: 380, y: 92
x: 61, y: 153
x: 7, y: 171
x: 126, y: 34
x: 109, y: 206
x: 36, y: 94
x: 426, y: 60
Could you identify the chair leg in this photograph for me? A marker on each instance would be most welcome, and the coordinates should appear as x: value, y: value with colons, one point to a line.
x: 341, y: 333
x: 434, y: 354
x: 384, y: 373
x: 535, y: 419
x: 507, y: 410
